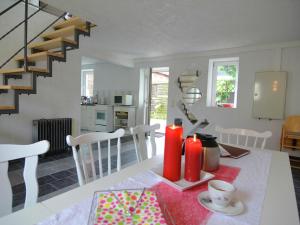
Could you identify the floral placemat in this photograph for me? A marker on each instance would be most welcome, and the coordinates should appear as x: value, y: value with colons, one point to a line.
x: 126, y: 207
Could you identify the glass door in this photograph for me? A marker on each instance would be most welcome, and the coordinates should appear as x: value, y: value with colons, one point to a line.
x: 158, y: 97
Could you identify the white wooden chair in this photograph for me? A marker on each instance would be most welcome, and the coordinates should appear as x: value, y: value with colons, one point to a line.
x: 139, y: 138
x: 30, y: 153
x: 243, y: 137
x: 85, y: 160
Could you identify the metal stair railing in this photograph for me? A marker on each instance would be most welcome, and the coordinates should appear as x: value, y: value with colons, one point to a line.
x: 25, y: 21
x: 19, y: 24
x: 10, y: 58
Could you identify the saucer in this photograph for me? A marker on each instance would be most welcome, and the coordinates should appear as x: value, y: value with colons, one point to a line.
x: 233, y: 209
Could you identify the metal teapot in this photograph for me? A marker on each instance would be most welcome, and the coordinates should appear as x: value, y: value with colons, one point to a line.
x: 211, y: 152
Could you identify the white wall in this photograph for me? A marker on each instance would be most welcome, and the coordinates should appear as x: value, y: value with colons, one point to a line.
x: 57, y: 97
x: 112, y: 79
x: 251, y: 61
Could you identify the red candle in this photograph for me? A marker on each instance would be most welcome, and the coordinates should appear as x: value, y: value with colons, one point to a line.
x: 172, y: 155
x: 193, y: 162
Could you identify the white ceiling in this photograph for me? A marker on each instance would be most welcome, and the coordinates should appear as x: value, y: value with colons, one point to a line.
x: 150, y: 28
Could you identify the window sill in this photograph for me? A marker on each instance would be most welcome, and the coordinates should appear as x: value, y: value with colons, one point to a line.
x: 224, y: 106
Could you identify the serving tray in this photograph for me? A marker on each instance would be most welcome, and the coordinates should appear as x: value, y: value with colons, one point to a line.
x: 182, y: 184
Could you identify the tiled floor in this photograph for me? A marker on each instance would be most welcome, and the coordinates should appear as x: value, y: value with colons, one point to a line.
x: 295, y: 162
x: 57, y: 174
x: 296, y: 178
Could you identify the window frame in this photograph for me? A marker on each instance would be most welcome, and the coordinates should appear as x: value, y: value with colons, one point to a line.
x: 212, y: 79
x: 83, y: 81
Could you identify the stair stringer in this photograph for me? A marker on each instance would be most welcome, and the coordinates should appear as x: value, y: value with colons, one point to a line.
x: 16, y: 104
x: 50, y: 58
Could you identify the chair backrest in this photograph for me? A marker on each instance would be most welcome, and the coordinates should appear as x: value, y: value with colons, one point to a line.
x: 85, y: 160
x: 292, y: 124
x: 30, y: 153
x: 243, y: 137
x: 139, y: 138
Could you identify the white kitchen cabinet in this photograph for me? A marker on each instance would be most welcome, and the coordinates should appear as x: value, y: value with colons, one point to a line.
x: 90, y: 117
x: 97, y: 118
x: 87, y: 117
x: 103, y: 118
x: 83, y: 117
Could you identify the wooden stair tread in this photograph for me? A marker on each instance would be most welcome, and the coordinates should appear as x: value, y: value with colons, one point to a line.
x: 64, y: 32
x: 15, y: 87
x: 39, y: 56
x: 13, y: 71
x: 7, y: 107
x: 291, y: 146
x: 51, y: 44
x: 19, y: 71
x: 77, y: 21
x: 292, y: 136
x: 37, y: 69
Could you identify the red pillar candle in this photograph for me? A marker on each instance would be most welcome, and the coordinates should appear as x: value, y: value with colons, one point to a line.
x: 193, y: 162
x: 172, y: 154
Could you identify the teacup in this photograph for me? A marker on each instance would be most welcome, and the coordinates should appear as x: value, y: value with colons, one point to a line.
x: 220, y: 192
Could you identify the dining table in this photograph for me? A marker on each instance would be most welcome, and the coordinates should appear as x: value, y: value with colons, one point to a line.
x: 265, y: 175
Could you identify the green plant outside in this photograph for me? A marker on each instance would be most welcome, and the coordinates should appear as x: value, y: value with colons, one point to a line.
x: 159, y: 101
x: 225, y: 87
x: 160, y: 112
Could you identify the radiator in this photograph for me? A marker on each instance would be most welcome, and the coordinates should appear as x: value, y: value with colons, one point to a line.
x: 53, y: 130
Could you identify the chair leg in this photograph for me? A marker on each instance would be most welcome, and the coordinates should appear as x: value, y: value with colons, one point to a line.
x: 280, y: 149
x: 282, y: 138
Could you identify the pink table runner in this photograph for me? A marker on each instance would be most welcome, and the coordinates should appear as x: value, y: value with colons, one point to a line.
x: 183, y: 206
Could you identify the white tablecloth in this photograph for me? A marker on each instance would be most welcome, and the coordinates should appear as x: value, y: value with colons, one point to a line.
x: 251, y: 185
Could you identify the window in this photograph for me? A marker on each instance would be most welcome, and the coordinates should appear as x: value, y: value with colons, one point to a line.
x: 223, y: 82
x: 87, y: 82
